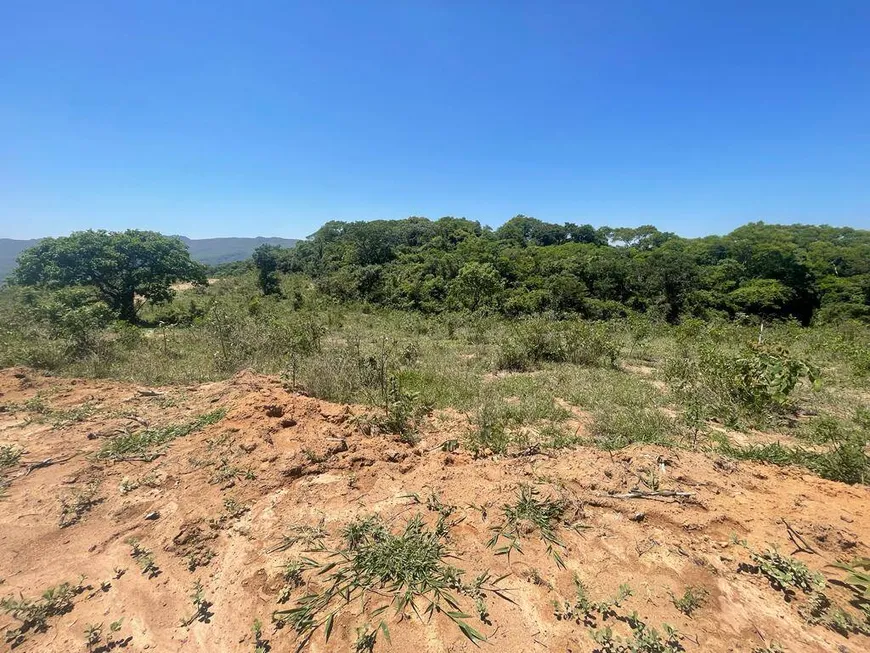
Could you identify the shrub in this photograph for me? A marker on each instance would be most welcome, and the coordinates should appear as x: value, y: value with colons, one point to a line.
x: 538, y: 340
x: 758, y: 381
x: 488, y: 433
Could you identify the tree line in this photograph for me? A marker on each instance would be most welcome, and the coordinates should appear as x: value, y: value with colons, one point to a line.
x: 528, y: 266
x: 523, y: 267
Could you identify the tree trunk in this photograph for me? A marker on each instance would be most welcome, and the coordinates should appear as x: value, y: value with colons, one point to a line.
x: 127, y: 307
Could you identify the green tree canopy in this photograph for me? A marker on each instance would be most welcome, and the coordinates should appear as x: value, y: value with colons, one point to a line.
x: 119, y: 265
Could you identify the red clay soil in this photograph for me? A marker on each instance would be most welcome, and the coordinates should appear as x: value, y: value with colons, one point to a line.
x: 220, y: 501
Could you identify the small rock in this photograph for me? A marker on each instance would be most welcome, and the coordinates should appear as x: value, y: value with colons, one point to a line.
x: 269, y: 458
x: 638, y: 517
x: 406, y: 467
x: 337, y: 446
x: 294, y: 467
x: 287, y: 422
x: 394, y: 456
x: 846, y: 519
x: 153, y: 515
x: 248, y: 446
x: 273, y: 410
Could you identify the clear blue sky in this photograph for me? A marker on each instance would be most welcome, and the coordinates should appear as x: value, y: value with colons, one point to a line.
x: 251, y: 118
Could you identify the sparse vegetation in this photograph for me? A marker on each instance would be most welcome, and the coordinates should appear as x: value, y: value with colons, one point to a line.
x: 99, y: 639
x: 406, y: 571
x: 74, y: 507
x: 530, y: 514
x: 149, y: 443
x: 785, y: 574
x: 202, y: 607
x: 261, y: 645
x: 144, y: 558
x: 692, y: 599
x: 461, y: 342
x: 33, y: 614
x: 583, y: 610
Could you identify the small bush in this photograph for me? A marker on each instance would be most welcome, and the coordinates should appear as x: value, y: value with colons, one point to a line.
x: 537, y: 340
x: 692, y: 599
x: 488, y: 432
x: 757, y: 382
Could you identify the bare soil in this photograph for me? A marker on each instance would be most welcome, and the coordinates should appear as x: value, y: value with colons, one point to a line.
x: 289, y: 460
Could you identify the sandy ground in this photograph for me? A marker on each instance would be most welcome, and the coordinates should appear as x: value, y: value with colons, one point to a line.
x: 300, y: 461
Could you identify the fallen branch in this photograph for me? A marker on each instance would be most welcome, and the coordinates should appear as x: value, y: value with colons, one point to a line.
x: 146, y: 392
x: 798, y: 540
x: 48, y: 462
x: 651, y: 494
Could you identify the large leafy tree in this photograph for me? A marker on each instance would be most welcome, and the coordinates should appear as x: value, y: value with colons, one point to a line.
x: 266, y: 258
x: 121, y: 266
x: 477, y: 284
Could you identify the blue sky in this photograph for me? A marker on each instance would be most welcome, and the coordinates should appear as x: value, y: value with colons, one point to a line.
x: 252, y: 118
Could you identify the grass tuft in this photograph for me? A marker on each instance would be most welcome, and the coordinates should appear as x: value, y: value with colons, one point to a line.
x: 382, y: 569
x: 148, y: 444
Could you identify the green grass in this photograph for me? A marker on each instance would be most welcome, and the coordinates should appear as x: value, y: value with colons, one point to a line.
x: 844, y: 461
x: 148, y: 444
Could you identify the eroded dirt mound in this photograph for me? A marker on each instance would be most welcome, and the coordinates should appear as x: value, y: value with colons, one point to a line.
x: 191, y: 512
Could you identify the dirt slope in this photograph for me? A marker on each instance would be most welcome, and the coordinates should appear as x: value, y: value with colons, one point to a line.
x: 222, y: 498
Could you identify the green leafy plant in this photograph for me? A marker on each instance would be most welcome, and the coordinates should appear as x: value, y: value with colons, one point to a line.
x: 73, y: 508
x: 405, y: 570
x: 144, y: 558
x: 33, y: 614
x: 529, y: 514
x: 858, y: 581
x: 99, y: 639
x: 10, y: 454
x: 202, y: 606
x: 692, y: 599
x: 293, y: 575
x: 403, y: 412
x: 783, y: 573
x: 261, y: 644
x: 644, y: 639
x: 584, y: 609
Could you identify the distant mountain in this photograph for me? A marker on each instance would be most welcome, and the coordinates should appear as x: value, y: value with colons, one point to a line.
x: 210, y: 251
x: 9, y: 251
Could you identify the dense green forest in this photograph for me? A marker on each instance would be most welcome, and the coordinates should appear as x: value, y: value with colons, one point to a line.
x: 527, y: 266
